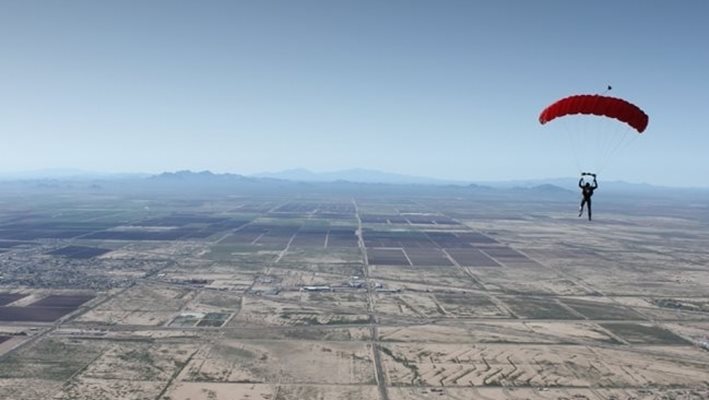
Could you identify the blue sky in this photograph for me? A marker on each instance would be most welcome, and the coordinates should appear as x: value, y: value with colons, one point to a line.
x: 448, y: 89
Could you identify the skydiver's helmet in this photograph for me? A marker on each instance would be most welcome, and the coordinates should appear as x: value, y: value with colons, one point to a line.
x: 588, y: 185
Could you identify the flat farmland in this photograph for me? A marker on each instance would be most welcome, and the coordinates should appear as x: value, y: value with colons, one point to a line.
x: 603, y: 310
x: 476, y: 238
x: 33, y: 314
x: 8, y: 244
x: 379, y: 256
x: 340, y: 255
x: 342, y: 237
x: 40, y: 307
x: 472, y: 258
x: 7, y: 298
x: 445, y: 239
x: 339, y: 293
x: 310, y: 239
x: 641, y: 333
x: 430, y: 256
x: 503, y: 253
x: 539, y: 308
x: 397, y: 238
x: 63, y: 300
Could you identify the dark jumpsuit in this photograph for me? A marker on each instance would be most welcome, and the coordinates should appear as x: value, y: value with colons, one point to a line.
x: 587, y: 192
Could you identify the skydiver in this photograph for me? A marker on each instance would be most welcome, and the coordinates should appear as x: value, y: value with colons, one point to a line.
x: 587, y: 192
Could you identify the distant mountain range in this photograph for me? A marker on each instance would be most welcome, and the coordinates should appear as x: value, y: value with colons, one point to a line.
x: 293, y: 177
x: 358, y: 180
x: 201, y: 176
x: 356, y: 175
x: 374, y: 176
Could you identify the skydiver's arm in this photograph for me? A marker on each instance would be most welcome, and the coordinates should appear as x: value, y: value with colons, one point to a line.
x: 595, y: 184
x: 581, y: 182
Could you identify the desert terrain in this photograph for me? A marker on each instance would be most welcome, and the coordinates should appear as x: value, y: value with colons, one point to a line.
x: 351, y: 294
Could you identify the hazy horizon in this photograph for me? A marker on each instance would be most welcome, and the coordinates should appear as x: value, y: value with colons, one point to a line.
x: 447, y: 90
x: 362, y: 175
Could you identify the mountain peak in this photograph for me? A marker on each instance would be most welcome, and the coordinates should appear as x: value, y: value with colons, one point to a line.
x: 355, y: 175
x: 205, y: 175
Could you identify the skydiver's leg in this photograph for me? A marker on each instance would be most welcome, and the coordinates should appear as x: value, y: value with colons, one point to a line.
x: 589, y: 209
x: 583, y: 201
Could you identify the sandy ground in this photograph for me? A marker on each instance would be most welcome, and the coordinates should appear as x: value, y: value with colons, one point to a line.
x: 542, y: 366
x: 282, y: 362
x: 245, y: 391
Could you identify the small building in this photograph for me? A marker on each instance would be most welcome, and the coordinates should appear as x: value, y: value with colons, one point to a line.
x: 383, y: 290
x: 317, y: 288
x: 357, y: 284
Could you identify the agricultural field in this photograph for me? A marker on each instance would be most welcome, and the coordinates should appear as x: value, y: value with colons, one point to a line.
x: 350, y: 294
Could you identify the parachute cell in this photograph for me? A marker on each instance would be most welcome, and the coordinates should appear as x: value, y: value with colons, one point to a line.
x: 593, y: 104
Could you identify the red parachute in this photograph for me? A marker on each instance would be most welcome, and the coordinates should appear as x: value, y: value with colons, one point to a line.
x: 595, y: 104
x: 593, y: 142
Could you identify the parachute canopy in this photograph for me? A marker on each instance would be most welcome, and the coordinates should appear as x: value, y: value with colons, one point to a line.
x: 595, y: 104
